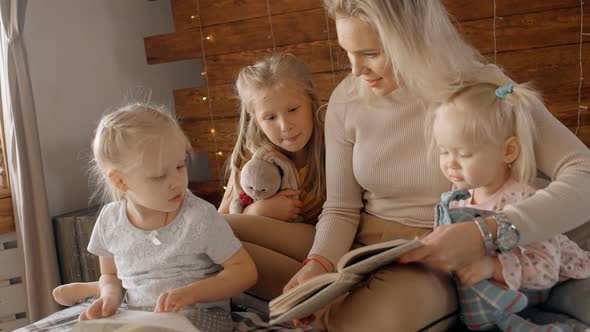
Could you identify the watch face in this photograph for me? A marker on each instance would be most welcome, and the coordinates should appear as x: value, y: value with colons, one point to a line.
x: 508, y: 240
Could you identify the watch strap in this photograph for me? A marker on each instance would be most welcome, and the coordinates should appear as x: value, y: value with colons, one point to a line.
x: 486, y: 234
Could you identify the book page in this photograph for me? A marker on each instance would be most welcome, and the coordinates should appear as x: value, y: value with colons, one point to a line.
x: 318, y: 300
x: 133, y: 320
x: 303, y: 291
x: 367, y: 261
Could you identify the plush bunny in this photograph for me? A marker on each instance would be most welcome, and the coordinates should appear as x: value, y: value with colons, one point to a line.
x: 266, y: 173
x: 259, y: 179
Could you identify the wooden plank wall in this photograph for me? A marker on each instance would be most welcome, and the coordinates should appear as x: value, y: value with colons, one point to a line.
x: 536, y: 41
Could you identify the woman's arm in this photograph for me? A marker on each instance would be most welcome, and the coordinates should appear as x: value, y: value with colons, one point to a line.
x: 563, y: 205
x: 238, y: 274
x: 110, y: 287
x: 338, y: 222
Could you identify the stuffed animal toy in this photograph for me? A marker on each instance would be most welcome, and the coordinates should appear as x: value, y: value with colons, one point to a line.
x: 266, y: 173
x: 485, y: 304
x: 259, y: 179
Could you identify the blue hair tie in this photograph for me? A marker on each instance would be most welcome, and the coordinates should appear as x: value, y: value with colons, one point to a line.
x: 502, y: 91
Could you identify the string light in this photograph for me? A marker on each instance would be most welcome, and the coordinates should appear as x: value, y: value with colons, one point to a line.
x: 212, y: 130
x: 204, y: 74
x: 580, y: 106
x: 204, y: 98
x: 494, y: 29
x: 330, y: 46
x: 272, y: 33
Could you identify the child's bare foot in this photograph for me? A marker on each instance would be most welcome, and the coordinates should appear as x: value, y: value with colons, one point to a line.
x: 70, y: 294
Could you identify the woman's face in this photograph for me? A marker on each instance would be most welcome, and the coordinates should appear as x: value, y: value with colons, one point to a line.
x: 366, y: 55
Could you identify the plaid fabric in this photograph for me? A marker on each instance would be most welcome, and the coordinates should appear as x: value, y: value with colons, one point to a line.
x: 64, y: 320
x: 485, y: 305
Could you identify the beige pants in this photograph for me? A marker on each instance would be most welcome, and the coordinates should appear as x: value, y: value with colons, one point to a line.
x: 396, y: 298
x: 277, y: 248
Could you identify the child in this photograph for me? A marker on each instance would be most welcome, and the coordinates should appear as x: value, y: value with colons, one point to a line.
x: 280, y: 114
x: 484, y: 136
x: 168, y: 249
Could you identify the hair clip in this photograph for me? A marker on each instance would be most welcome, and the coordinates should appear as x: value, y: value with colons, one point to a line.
x: 502, y: 91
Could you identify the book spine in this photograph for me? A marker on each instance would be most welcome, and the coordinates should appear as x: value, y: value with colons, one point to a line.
x: 68, y: 251
x: 89, y: 262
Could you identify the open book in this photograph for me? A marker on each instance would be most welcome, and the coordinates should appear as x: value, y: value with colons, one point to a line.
x: 133, y: 320
x: 351, y: 269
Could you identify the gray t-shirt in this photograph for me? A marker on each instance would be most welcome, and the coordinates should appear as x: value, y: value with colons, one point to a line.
x: 190, y: 248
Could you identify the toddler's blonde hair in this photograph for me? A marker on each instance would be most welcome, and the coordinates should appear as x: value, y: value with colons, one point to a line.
x: 122, y: 139
x: 490, y: 119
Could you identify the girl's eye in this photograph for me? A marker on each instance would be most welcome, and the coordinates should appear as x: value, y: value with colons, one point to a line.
x: 465, y: 155
x: 293, y: 109
x: 271, y: 117
x: 179, y: 167
x: 371, y: 55
x: 443, y: 153
x: 159, y: 178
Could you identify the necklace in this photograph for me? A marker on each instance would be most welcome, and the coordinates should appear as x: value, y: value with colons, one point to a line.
x: 153, y: 235
x: 165, y: 219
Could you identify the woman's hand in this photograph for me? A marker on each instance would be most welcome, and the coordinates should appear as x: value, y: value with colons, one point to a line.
x: 281, y: 206
x: 477, y: 271
x: 308, y: 271
x: 103, y: 307
x: 449, y: 247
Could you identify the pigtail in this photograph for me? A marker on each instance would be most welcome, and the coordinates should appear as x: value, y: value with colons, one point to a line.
x: 523, y: 101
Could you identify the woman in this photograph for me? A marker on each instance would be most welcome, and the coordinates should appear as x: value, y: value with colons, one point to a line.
x: 405, y: 55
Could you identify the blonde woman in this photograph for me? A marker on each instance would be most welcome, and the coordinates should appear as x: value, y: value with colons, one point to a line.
x: 406, y: 54
x: 279, y: 112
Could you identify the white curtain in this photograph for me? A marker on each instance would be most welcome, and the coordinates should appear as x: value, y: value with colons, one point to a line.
x: 25, y: 169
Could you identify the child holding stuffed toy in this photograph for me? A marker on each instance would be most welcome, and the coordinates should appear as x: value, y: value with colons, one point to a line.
x: 484, y: 136
x: 169, y: 249
x: 281, y: 122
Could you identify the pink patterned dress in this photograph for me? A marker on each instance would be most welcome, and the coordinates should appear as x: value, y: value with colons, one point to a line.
x: 537, y: 265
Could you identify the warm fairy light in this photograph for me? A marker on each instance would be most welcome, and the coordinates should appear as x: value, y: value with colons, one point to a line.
x: 220, y: 153
x: 203, y: 73
x: 204, y: 98
x: 212, y: 130
x: 193, y: 17
x: 224, y: 187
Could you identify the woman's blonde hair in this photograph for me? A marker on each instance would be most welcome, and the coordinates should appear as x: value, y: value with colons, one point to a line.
x: 253, y: 82
x: 123, y: 138
x: 428, y: 55
x: 491, y: 119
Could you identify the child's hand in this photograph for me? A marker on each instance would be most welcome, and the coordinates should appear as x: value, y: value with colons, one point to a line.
x: 174, y: 300
x: 281, y: 206
x: 105, y: 306
x: 477, y: 271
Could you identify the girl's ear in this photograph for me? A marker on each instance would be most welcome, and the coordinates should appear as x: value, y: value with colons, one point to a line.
x: 117, y: 179
x: 511, y: 149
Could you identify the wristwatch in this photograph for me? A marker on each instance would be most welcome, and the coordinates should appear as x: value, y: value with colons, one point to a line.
x: 488, y: 239
x: 507, y: 235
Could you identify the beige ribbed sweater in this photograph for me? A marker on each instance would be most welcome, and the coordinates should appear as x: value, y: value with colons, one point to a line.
x: 376, y: 160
